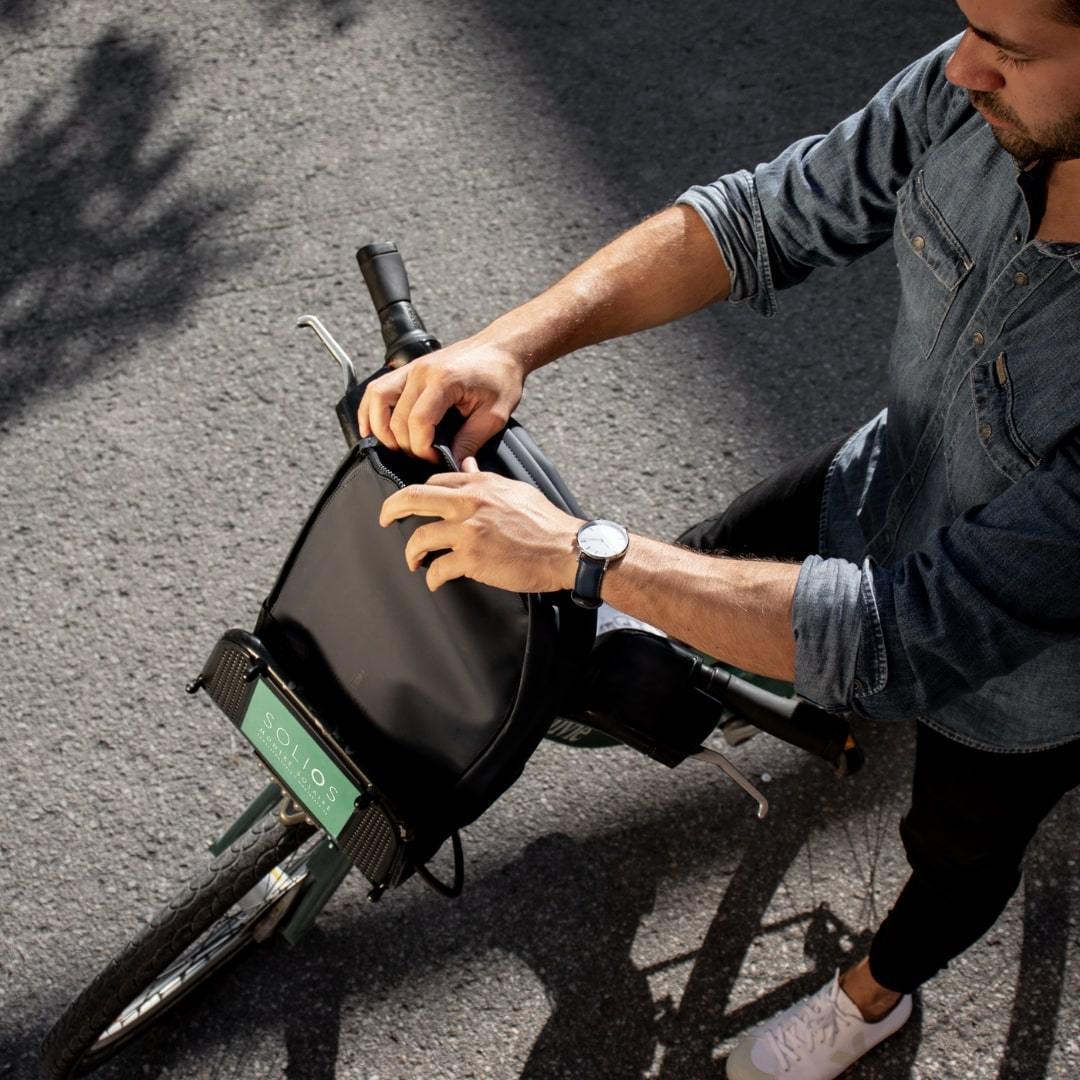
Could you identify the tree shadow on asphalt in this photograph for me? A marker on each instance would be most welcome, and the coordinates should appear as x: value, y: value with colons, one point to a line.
x: 337, y: 15
x: 105, y: 238
x: 20, y: 14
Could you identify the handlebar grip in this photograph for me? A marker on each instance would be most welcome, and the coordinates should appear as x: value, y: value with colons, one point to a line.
x: 798, y: 722
x: 384, y: 274
x: 387, y: 282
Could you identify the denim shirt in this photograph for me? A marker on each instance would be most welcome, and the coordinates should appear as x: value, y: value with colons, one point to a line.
x: 947, y: 586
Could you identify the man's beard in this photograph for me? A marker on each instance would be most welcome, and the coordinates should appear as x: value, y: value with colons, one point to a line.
x: 1059, y: 142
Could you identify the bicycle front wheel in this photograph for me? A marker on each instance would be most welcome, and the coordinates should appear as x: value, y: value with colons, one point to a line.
x: 193, y: 936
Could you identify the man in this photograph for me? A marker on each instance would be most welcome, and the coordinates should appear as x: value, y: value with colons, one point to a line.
x: 937, y: 548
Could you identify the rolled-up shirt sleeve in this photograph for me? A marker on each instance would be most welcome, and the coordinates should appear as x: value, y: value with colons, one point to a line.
x: 731, y: 208
x: 839, y: 648
x: 977, y: 600
x: 827, y: 199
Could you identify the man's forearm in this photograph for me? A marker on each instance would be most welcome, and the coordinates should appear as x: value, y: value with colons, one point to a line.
x: 738, y: 610
x: 507, y: 534
x: 662, y: 269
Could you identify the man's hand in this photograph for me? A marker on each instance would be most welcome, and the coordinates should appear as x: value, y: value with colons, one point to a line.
x: 664, y: 268
x: 498, y: 531
x: 505, y: 533
x: 482, y: 381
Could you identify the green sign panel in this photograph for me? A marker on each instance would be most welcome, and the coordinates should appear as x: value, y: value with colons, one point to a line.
x: 326, y: 792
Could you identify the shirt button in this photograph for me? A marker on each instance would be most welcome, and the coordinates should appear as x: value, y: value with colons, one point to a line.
x: 978, y: 339
x: 918, y: 242
x: 858, y: 686
x: 1017, y: 237
x: 985, y: 431
x: 1021, y: 278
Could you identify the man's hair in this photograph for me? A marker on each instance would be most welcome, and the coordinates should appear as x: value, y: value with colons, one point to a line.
x: 1067, y: 11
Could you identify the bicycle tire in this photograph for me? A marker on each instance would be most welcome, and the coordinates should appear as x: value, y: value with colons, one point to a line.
x: 182, y: 933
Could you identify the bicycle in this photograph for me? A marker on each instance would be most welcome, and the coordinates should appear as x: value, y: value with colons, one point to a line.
x: 279, y: 863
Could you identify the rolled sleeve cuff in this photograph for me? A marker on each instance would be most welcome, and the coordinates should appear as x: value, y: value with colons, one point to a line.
x: 839, y: 643
x: 731, y: 208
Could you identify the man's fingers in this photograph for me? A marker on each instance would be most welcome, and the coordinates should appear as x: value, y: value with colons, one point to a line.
x: 363, y: 411
x: 435, y: 536
x: 455, y: 479
x: 421, y: 500
x: 377, y: 405
x: 399, y: 420
x: 379, y: 418
x: 362, y: 416
x: 430, y: 407
x: 477, y: 429
x: 445, y: 568
x: 469, y: 465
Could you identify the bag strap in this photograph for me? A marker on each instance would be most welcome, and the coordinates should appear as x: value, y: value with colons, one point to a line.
x: 455, y: 887
x: 514, y: 453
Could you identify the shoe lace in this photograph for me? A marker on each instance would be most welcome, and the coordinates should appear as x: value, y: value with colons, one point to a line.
x: 817, y: 1019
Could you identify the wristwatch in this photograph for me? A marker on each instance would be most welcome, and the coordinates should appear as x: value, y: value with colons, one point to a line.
x: 599, y: 544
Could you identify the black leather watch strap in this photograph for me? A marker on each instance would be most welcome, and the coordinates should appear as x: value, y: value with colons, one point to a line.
x: 590, y: 575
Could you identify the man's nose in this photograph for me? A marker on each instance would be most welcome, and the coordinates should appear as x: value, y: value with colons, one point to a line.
x: 972, y: 66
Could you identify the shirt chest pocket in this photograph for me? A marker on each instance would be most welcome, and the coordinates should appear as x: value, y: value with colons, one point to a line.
x: 988, y: 451
x: 932, y: 264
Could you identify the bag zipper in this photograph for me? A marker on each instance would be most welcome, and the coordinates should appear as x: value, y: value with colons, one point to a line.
x: 383, y: 471
x: 389, y: 474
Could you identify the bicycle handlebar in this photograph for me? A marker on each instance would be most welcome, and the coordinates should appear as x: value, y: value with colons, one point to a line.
x: 403, y: 331
x: 660, y: 697
x: 814, y: 730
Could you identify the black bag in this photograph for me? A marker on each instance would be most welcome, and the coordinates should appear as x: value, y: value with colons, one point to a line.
x: 438, y: 699
x: 427, y: 706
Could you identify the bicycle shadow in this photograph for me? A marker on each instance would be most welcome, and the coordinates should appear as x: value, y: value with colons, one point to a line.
x: 571, y: 912
x: 105, y: 238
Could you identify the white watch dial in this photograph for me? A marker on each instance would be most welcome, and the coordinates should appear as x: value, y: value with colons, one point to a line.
x: 603, y: 539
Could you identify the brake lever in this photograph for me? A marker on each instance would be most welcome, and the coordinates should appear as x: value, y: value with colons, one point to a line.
x: 335, y: 350
x: 713, y: 757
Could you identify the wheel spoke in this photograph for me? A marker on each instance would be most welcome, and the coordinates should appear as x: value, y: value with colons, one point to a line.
x: 232, y: 930
x: 182, y: 946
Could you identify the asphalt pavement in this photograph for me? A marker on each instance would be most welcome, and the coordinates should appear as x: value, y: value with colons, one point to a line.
x: 180, y: 181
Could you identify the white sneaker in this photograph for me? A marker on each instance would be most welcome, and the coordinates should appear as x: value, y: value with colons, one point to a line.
x: 816, y: 1039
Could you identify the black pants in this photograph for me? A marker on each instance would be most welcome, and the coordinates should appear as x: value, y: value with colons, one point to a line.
x: 972, y: 813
